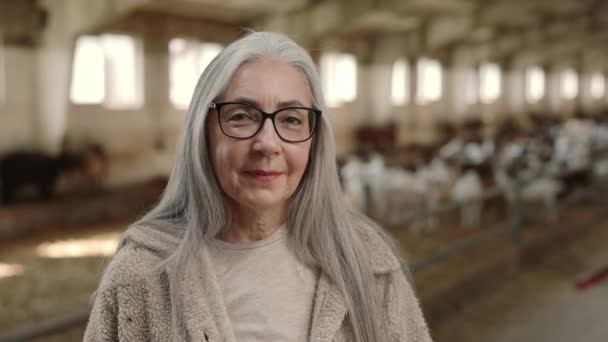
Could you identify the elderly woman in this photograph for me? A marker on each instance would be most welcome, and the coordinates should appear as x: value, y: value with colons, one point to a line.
x: 251, y: 240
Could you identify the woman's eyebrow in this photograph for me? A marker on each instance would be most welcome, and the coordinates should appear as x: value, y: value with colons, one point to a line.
x: 282, y: 104
x: 290, y: 103
x: 246, y: 100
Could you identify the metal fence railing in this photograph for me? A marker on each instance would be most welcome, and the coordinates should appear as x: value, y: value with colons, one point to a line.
x: 513, y: 224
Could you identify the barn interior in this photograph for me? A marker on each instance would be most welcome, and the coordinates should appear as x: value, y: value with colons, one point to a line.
x: 475, y: 132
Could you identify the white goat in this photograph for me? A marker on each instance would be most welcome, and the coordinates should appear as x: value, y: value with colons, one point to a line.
x: 438, y: 179
x: 352, y: 183
x: 467, y: 192
x: 537, y: 181
x: 403, y: 197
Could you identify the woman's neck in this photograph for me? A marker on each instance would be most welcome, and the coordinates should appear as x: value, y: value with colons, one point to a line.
x: 249, y: 225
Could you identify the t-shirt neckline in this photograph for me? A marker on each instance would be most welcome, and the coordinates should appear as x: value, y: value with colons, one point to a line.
x: 275, y: 236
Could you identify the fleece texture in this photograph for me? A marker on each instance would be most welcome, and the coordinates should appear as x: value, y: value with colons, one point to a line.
x: 133, y: 304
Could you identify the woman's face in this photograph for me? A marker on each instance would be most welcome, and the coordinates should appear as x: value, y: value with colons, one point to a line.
x: 261, y: 172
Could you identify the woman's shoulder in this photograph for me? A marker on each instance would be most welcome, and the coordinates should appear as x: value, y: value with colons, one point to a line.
x: 380, y: 247
x: 132, y: 296
x: 139, y: 256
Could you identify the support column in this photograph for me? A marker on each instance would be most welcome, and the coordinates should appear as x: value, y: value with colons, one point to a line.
x: 586, y: 100
x: 407, y: 124
x: 380, y: 104
x: 54, y: 73
x: 554, y: 96
x: 157, y: 77
x: 377, y: 73
x: 448, y: 96
x: 544, y: 103
x: 460, y: 104
x: 514, y: 87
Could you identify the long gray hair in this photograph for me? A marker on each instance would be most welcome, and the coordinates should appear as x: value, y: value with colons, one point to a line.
x: 323, y: 231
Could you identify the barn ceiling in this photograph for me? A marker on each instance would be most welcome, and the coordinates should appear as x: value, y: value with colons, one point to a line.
x: 540, y: 30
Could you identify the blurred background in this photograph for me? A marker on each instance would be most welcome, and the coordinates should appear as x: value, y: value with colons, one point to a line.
x: 475, y: 131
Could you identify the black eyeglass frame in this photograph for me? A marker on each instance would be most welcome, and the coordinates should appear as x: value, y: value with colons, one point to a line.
x: 218, y: 108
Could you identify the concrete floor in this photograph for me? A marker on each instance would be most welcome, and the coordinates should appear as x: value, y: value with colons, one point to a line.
x: 540, y: 303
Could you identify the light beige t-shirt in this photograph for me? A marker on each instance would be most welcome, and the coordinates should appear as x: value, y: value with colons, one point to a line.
x: 267, y: 292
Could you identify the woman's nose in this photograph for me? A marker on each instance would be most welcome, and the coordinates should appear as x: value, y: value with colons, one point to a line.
x: 267, y: 140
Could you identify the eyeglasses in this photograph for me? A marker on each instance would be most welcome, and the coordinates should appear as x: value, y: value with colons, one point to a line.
x: 243, y: 121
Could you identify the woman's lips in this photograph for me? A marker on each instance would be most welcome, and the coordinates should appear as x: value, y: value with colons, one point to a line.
x: 264, y: 175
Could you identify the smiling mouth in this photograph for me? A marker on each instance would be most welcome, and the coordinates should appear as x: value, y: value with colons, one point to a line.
x: 265, y: 172
x: 264, y: 175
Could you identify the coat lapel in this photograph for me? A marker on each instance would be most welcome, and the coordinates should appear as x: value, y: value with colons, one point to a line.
x: 328, y: 312
x: 204, y: 313
x: 193, y: 299
x: 196, y: 315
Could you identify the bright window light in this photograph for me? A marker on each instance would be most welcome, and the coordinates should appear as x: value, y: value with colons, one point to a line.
x: 207, y: 53
x: 399, y: 85
x: 122, y: 86
x: 598, y: 85
x: 429, y: 81
x: 329, y: 78
x: 339, y: 78
x: 347, y: 77
x: 184, y: 71
x: 569, y: 84
x: 78, y: 248
x: 489, y: 86
x: 88, y: 78
x: 10, y: 270
x: 535, y: 84
x: 188, y: 59
x: 106, y: 70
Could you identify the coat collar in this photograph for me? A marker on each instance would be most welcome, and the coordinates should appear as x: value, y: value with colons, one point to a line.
x: 382, y: 258
x: 330, y: 307
x: 329, y: 310
x: 203, y: 313
x: 203, y: 304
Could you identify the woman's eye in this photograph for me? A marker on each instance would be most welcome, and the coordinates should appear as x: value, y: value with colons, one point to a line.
x: 292, y: 120
x: 239, y: 117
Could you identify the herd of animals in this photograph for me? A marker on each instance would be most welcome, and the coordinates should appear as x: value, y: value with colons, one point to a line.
x: 29, y: 175
x: 533, y: 161
x: 537, y: 162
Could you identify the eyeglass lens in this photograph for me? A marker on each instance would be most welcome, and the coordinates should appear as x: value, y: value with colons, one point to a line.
x: 243, y: 121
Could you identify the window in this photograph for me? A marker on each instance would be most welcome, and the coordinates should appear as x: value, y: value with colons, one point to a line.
x: 535, y: 84
x: 400, y: 90
x: 598, y: 85
x: 339, y: 78
x: 429, y: 81
x: 569, y: 84
x: 187, y: 60
x: 88, y: 78
x: 489, y: 85
x: 122, y: 86
x: 107, y: 70
x: 208, y: 52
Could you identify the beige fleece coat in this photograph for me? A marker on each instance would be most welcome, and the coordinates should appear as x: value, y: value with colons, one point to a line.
x: 132, y: 302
